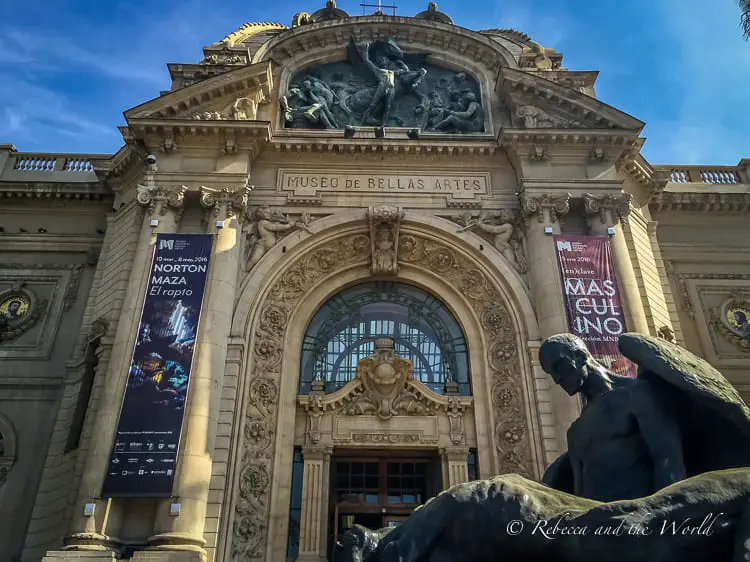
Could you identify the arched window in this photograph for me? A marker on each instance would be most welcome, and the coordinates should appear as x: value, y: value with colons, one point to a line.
x: 344, y: 331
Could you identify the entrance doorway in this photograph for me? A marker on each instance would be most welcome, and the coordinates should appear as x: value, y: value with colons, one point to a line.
x: 377, y: 489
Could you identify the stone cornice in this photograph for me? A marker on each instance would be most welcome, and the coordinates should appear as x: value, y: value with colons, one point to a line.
x: 255, y: 76
x: 36, y: 190
x: 336, y: 143
x: 415, y: 33
x: 519, y: 88
x: 702, y: 202
x: 620, y: 138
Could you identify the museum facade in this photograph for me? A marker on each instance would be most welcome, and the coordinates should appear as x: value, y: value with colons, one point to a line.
x: 310, y: 289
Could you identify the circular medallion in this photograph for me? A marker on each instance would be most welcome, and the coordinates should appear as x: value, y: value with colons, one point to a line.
x: 737, y: 318
x: 15, y: 307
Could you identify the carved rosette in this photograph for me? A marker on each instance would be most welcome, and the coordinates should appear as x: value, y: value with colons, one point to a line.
x: 385, y: 222
x: 732, y: 321
x: 159, y: 199
x: 547, y: 208
x: 250, y: 524
x: 609, y: 208
x: 225, y: 202
x: 511, y: 434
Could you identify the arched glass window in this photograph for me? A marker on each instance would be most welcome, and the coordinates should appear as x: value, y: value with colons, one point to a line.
x: 344, y: 331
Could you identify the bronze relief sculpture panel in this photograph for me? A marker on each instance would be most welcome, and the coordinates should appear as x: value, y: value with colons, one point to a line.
x: 380, y: 85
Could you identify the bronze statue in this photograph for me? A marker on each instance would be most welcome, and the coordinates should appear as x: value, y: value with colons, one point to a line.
x: 679, y: 418
x: 697, y: 426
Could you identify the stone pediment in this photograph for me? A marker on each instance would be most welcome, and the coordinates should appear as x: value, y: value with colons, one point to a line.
x: 384, y: 387
x: 231, y: 96
x: 538, y: 103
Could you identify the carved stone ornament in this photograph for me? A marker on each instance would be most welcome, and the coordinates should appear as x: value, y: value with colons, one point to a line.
x: 508, y: 424
x: 225, y: 202
x: 157, y: 198
x: 610, y: 209
x: 530, y: 117
x: 733, y: 320
x: 547, y: 208
x: 266, y: 226
x: 242, y: 109
x: 500, y: 228
x: 20, y: 310
x: 384, y: 387
x: 384, y: 227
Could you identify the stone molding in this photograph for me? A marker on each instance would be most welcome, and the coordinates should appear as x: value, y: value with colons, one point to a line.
x: 726, y: 202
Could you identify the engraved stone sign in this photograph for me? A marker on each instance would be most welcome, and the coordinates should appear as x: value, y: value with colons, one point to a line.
x: 454, y: 186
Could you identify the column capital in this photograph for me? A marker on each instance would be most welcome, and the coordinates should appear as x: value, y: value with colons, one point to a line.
x: 316, y: 452
x: 455, y: 454
x: 160, y: 199
x: 610, y: 209
x: 546, y: 207
x: 226, y: 201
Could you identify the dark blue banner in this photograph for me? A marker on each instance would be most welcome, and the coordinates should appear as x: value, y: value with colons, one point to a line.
x: 144, y: 455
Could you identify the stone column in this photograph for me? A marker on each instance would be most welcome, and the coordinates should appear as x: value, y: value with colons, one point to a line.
x: 164, y: 206
x: 455, y: 466
x: 314, y: 519
x: 542, y: 212
x: 609, y: 211
x: 184, y: 532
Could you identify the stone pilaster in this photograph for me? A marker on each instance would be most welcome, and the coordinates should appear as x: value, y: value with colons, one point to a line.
x: 314, y: 520
x: 610, y: 211
x: 543, y: 211
x: 89, y: 532
x: 455, y: 466
x: 184, y: 532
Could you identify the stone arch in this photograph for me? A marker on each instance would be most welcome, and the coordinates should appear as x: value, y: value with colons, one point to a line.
x: 480, y: 288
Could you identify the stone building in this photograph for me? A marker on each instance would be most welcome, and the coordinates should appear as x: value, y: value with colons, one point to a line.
x: 382, y: 192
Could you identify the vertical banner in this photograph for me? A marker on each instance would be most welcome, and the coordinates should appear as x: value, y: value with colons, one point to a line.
x: 592, y: 299
x: 144, y: 454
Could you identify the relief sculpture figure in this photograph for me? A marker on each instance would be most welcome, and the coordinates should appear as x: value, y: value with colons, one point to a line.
x: 264, y: 232
x: 378, y: 84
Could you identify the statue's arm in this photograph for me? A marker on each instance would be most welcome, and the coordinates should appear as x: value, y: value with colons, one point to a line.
x: 661, y: 433
x: 278, y: 227
x: 559, y: 475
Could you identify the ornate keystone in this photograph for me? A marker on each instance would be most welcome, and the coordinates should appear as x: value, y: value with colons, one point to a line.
x: 225, y: 202
x: 547, y: 208
x: 385, y: 222
x: 610, y: 208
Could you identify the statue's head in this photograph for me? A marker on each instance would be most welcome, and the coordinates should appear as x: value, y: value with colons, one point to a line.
x: 263, y: 212
x: 469, y: 97
x: 565, y: 358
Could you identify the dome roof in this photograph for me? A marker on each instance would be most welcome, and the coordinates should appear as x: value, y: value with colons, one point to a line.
x: 248, y: 30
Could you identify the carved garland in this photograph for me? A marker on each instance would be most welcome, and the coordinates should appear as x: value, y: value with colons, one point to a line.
x: 511, y: 435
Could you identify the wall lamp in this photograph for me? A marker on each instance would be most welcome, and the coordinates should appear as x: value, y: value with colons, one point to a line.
x: 349, y: 132
x: 380, y: 132
x: 414, y: 134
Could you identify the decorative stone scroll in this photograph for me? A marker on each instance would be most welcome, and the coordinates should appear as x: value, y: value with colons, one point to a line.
x: 610, y: 209
x: 158, y: 199
x: 547, y: 208
x: 225, y: 202
x: 511, y: 433
x: 385, y: 221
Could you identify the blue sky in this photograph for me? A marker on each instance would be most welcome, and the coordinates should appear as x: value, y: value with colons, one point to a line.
x: 69, y: 68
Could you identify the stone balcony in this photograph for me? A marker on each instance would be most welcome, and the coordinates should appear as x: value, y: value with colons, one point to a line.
x: 30, y: 175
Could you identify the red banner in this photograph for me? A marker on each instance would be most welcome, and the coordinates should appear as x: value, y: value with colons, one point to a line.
x: 592, y: 299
